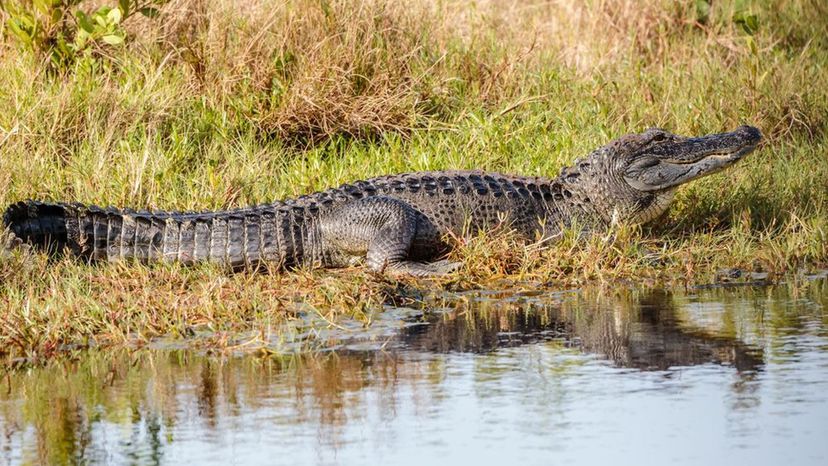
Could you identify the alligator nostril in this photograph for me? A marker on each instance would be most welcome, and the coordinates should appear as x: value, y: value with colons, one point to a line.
x: 751, y: 132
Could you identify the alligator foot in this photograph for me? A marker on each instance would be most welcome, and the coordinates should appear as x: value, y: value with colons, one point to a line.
x: 423, y: 269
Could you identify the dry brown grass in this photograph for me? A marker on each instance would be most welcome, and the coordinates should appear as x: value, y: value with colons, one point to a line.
x: 315, y: 69
x: 310, y: 70
x: 304, y: 71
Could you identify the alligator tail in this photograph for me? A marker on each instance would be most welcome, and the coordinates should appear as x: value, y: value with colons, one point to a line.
x: 42, y: 225
x: 240, y: 238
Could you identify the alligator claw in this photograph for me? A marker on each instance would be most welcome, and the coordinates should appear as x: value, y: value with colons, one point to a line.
x: 424, y: 269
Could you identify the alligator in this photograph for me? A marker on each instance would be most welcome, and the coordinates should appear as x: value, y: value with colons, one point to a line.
x: 398, y: 224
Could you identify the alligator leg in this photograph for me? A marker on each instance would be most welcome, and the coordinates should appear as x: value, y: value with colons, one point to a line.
x: 382, y: 229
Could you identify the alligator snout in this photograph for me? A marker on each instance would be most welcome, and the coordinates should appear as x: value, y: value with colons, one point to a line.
x: 751, y: 134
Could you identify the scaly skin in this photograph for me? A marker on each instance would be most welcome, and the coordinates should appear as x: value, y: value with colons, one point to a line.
x: 396, y: 223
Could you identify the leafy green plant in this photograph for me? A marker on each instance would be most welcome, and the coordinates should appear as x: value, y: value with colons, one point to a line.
x: 61, y: 31
x: 703, y: 11
x: 744, y: 17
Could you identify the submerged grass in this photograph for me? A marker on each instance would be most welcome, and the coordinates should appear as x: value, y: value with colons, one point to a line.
x: 223, y: 104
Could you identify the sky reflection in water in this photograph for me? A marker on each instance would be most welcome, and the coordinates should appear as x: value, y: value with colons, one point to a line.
x: 723, y: 376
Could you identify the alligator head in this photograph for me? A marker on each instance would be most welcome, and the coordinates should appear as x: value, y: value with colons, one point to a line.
x: 634, y: 178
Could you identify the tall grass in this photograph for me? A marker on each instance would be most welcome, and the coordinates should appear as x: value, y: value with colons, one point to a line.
x: 228, y: 103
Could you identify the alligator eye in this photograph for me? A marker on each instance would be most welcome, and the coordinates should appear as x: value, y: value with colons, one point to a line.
x: 659, y: 137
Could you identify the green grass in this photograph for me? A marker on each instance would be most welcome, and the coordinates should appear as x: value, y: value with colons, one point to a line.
x: 224, y: 104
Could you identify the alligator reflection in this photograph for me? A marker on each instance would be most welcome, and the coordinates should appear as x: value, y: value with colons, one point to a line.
x: 643, y: 333
x: 140, y: 405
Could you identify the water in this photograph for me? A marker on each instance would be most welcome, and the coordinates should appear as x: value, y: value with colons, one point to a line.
x: 716, y: 376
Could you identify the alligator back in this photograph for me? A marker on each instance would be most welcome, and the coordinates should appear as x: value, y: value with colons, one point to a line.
x: 458, y: 202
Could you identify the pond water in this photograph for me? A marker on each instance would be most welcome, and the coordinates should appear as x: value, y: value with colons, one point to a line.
x: 701, y: 376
